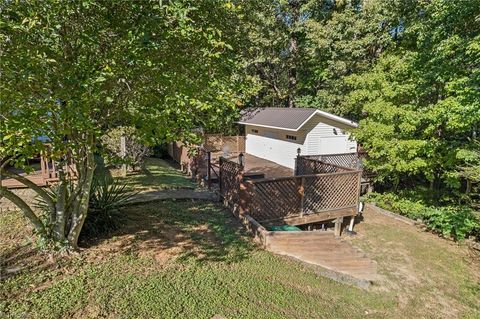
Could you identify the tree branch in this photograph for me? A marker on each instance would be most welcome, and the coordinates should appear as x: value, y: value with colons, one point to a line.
x: 27, y: 211
x: 37, y: 189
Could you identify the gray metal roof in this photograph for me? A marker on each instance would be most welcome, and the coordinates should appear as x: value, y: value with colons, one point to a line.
x: 285, y: 118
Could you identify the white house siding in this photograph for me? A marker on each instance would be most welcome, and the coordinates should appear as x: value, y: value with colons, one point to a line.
x: 272, y: 144
x: 313, y: 138
x: 323, y: 139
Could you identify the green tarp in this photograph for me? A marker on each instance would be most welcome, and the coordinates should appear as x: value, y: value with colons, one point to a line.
x: 283, y: 228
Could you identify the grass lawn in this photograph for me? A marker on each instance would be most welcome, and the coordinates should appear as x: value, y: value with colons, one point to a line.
x: 191, y: 259
x: 158, y: 175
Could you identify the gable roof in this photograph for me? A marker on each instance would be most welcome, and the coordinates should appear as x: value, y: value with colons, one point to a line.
x: 291, y: 119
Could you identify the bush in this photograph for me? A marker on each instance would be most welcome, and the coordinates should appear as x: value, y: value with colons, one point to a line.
x: 457, y: 222
x: 107, y: 196
x: 136, y: 151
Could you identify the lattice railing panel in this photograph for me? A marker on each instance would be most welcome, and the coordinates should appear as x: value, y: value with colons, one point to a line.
x: 331, y: 191
x: 310, y: 164
x: 307, y: 165
x: 350, y: 160
x: 297, y: 195
x: 274, y: 199
x: 230, y: 179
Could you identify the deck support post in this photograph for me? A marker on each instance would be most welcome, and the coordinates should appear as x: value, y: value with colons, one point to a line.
x: 352, y: 222
x: 209, y: 176
x: 301, y: 192
x: 338, y: 226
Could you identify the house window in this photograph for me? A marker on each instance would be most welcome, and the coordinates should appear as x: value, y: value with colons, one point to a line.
x: 254, y: 131
x: 291, y: 137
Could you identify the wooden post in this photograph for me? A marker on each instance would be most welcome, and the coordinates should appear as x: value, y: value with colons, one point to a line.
x: 123, y: 154
x: 209, y: 176
x: 220, y: 175
x: 359, y: 189
x: 338, y: 226
x: 301, y: 191
x: 42, y: 165
x: 54, y: 170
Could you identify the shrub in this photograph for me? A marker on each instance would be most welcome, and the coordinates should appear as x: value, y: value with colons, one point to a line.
x: 457, y: 222
x: 107, y: 196
x: 136, y: 151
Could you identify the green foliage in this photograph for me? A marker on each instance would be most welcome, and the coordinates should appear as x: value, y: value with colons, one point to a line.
x: 420, y: 101
x: 108, y: 195
x: 457, y: 222
x: 136, y: 151
x: 72, y: 70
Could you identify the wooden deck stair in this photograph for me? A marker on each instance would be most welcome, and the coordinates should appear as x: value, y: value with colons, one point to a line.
x: 322, y: 248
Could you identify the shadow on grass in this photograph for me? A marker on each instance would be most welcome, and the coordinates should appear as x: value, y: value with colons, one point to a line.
x: 181, y: 230
x: 23, y: 258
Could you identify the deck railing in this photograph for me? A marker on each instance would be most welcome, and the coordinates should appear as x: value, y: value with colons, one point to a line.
x: 309, y: 164
x: 331, y: 188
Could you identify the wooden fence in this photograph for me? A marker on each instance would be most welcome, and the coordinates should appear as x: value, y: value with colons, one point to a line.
x: 331, y: 192
x: 190, y: 157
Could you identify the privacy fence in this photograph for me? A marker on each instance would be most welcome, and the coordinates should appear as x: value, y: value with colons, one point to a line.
x: 317, y: 188
x: 193, y: 158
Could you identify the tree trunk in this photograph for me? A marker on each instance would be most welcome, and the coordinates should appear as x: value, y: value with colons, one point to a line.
x: 293, y: 51
x: 80, y: 211
x: 37, y: 189
x: 60, y: 207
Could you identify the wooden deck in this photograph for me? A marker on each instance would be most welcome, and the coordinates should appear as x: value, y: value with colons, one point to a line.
x: 35, y: 177
x: 256, y: 166
x: 47, y: 174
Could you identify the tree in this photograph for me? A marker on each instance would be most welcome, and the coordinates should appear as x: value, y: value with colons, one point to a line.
x: 421, y: 102
x: 72, y: 70
x: 275, y: 52
x: 343, y: 38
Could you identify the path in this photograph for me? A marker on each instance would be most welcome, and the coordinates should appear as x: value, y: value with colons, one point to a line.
x: 197, y: 194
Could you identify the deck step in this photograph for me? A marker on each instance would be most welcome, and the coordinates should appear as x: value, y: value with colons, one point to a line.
x: 325, y: 250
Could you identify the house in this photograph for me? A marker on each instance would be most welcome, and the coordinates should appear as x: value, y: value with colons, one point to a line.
x: 276, y: 134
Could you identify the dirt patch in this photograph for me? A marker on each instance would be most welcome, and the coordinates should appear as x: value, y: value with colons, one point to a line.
x: 151, y: 236
x: 418, y: 265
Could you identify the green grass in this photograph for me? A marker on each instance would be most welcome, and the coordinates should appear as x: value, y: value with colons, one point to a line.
x: 179, y: 259
x: 159, y: 174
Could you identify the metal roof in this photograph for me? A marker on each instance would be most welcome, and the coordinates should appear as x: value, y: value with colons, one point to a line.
x: 291, y: 119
